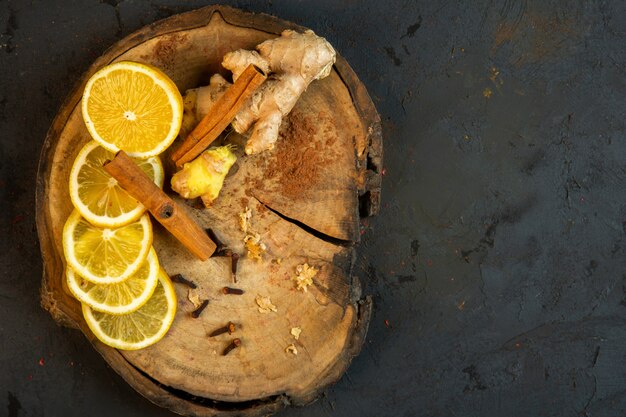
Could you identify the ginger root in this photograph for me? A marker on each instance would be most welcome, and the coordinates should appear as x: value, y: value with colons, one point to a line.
x: 204, y: 176
x: 198, y: 101
x: 240, y: 59
x: 294, y: 59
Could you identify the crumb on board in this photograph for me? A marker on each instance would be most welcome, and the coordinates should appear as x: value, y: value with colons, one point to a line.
x: 193, y: 296
x: 291, y: 349
x: 252, y: 240
x: 304, y: 277
x: 295, y: 332
x: 244, y: 219
x: 265, y: 304
x: 255, y: 247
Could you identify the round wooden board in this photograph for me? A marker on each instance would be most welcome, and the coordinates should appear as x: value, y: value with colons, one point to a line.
x: 307, y: 197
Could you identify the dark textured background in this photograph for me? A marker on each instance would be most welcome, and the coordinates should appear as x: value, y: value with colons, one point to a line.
x: 498, y: 262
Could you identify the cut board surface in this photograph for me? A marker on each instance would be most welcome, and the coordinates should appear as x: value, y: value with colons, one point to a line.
x: 306, y: 197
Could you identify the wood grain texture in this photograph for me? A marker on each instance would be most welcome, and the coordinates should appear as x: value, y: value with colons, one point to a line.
x: 319, y: 225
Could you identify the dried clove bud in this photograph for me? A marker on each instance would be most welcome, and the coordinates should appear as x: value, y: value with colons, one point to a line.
x: 234, y: 261
x: 229, y: 328
x: 233, y: 291
x: 179, y: 279
x: 221, y: 247
x: 196, y: 313
x: 234, y: 344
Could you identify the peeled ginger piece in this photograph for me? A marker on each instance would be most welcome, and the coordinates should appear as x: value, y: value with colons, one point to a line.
x: 204, y: 176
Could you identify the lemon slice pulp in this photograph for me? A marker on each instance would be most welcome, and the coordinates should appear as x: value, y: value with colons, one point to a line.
x: 122, y: 298
x: 97, y: 195
x: 138, y: 329
x: 133, y: 107
x: 103, y: 255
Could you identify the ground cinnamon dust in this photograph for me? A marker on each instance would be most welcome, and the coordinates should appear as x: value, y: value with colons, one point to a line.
x: 297, y: 160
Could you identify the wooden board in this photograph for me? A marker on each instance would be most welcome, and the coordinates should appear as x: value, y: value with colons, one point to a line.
x: 307, y: 197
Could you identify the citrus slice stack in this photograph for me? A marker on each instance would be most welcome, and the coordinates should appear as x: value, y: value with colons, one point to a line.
x: 127, y: 299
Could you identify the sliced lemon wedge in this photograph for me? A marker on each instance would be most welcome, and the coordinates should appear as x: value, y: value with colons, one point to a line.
x: 104, y: 255
x: 141, y: 328
x: 122, y: 298
x: 97, y: 196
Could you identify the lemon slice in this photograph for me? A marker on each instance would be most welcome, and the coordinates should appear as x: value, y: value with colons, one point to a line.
x: 97, y: 195
x: 133, y: 107
x: 103, y: 255
x: 122, y: 298
x: 141, y: 328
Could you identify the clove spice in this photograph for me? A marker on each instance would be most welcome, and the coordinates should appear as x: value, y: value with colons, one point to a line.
x: 232, y: 291
x: 234, y: 344
x: 179, y: 279
x: 196, y: 313
x: 234, y: 261
x: 218, y: 243
x: 224, y: 252
x: 229, y: 328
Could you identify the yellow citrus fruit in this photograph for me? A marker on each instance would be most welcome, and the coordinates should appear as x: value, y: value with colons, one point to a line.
x: 122, y: 298
x: 140, y: 328
x: 133, y: 107
x: 104, y: 255
x: 97, y: 195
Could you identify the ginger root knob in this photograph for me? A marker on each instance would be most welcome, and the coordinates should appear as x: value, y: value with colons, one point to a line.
x: 294, y: 60
x: 204, y: 176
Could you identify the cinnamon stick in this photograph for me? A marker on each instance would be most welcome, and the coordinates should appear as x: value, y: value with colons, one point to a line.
x: 165, y: 210
x: 221, y: 114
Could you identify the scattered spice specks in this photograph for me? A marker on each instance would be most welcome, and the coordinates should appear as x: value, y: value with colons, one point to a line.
x: 244, y: 219
x: 193, y: 296
x: 265, y: 304
x: 291, y: 349
x: 304, y: 277
x: 255, y: 247
x: 295, y: 332
x: 252, y: 240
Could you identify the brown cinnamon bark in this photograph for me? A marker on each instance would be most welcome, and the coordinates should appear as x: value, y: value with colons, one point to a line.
x: 219, y: 117
x: 165, y: 210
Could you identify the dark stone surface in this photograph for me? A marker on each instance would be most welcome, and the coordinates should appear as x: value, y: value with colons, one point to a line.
x: 497, y: 264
